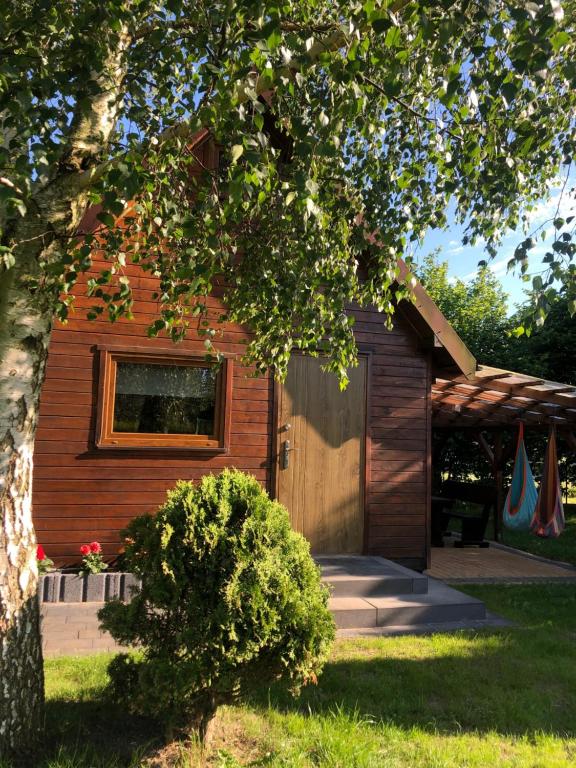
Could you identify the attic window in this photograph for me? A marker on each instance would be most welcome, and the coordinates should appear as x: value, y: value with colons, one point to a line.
x: 162, y: 400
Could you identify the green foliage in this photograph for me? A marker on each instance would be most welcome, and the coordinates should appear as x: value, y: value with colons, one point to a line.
x: 230, y: 599
x: 477, y: 309
x: 549, y: 350
x: 93, y: 563
x: 478, y: 312
x: 46, y: 565
x: 383, y: 113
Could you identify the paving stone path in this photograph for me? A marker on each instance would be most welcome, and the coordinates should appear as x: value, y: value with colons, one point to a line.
x: 71, y: 629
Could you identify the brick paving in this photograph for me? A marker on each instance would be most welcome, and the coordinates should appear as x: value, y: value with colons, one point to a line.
x: 493, y: 565
x: 72, y: 629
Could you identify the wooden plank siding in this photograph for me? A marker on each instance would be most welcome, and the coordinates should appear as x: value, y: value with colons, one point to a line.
x: 81, y: 493
x: 397, y: 506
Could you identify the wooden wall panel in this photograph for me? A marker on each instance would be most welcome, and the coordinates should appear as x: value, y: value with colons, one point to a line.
x: 81, y: 493
x: 397, y: 504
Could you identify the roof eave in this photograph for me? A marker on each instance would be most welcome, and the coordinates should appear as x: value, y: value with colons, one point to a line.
x: 437, y: 323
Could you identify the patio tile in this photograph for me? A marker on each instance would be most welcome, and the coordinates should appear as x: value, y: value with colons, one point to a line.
x: 494, y: 564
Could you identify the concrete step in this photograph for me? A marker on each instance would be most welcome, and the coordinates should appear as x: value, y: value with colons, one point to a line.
x: 441, y: 604
x: 492, y: 621
x: 357, y: 576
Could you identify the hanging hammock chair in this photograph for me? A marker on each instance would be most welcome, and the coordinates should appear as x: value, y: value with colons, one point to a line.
x: 548, y: 521
x: 521, y: 500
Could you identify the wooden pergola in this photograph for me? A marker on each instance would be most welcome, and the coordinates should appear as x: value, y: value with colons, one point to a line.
x: 493, y: 400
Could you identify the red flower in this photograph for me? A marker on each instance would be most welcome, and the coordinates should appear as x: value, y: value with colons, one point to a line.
x: 85, y: 549
x: 40, y: 554
x: 95, y: 547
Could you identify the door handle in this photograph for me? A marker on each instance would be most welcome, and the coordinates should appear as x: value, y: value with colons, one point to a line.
x: 285, y: 454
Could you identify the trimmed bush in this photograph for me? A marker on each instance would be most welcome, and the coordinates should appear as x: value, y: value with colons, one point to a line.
x: 230, y: 599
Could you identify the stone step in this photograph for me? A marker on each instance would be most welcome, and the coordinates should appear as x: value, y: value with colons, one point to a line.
x: 356, y: 576
x: 491, y: 621
x: 440, y: 604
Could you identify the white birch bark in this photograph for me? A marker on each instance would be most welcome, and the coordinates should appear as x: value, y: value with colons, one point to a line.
x: 24, y: 336
x: 26, y: 314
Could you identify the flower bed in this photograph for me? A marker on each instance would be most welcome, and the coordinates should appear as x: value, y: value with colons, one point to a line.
x: 85, y: 585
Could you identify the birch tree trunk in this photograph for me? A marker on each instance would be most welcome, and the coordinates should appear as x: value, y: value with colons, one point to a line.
x: 24, y: 337
x: 26, y: 311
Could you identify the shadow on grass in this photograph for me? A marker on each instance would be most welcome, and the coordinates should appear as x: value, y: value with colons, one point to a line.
x: 502, y: 682
x: 96, y: 733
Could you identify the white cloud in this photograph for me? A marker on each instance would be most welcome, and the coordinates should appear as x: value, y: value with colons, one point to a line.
x: 539, y: 250
x: 558, y: 204
x: 497, y: 267
x: 500, y: 267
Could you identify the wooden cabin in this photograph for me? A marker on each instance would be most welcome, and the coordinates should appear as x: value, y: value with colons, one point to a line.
x: 124, y: 416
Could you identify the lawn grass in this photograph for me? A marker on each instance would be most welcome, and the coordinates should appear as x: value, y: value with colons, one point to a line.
x: 465, y: 700
x: 563, y: 548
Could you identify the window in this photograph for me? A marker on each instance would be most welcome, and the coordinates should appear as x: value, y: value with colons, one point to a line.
x: 162, y: 399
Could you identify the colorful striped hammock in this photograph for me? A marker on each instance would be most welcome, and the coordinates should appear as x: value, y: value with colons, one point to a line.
x: 521, y: 500
x: 548, y: 520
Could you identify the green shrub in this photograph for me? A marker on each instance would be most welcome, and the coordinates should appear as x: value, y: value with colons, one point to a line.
x: 230, y: 599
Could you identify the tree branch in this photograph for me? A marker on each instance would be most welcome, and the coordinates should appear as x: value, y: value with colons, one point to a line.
x: 148, y: 29
x: 10, y: 184
x: 337, y: 38
x: 408, y: 108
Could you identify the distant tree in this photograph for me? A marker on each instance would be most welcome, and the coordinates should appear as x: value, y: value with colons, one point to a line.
x: 477, y: 309
x: 549, y: 350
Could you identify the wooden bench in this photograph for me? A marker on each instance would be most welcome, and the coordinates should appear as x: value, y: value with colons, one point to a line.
x: 472, y: 527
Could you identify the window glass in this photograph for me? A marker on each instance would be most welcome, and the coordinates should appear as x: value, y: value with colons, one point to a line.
x: 164, y: 399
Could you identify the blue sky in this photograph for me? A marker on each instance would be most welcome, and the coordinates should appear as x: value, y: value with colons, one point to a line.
x: 463, y: 260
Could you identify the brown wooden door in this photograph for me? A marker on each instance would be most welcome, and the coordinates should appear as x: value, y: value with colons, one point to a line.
x: 322, y: 485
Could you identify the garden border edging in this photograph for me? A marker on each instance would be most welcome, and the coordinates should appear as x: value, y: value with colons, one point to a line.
x: 86, y: 587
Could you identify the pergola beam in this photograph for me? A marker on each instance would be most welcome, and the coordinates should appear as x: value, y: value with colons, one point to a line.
x: 526, y: 389
x: 495, y: 396
x: 482, y: 416
x: 503, y: 411
x: 549, y: 397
